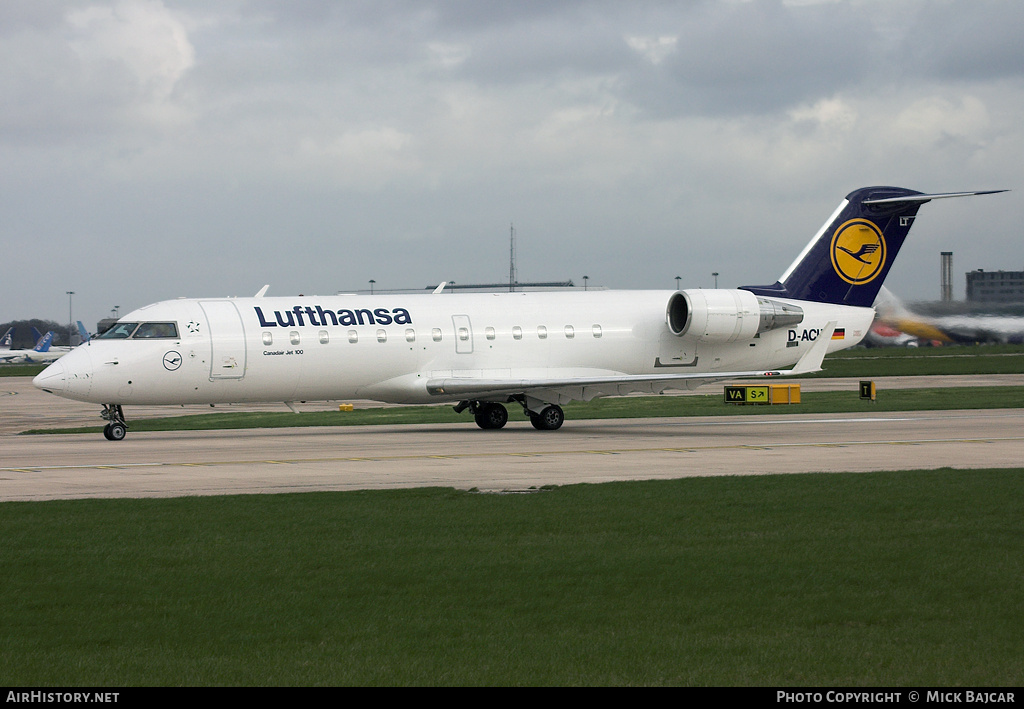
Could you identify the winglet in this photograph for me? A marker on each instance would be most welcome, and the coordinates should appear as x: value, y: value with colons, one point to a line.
x: 440, y: 287
x: 811, y: 361
x: 262, y: 291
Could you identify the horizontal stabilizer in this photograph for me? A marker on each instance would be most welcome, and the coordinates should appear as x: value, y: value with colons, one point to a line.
x: 922, y: 198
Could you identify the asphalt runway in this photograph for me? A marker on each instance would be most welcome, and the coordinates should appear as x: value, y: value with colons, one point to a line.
x: 517, y: 458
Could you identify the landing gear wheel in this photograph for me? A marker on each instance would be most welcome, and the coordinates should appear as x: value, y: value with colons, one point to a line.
x: 491, y: 416
x: 550, y: 418
x: 115, y: 432
x: 117, y: 429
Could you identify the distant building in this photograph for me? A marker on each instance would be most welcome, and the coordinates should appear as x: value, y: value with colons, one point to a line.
x: 995, y: 286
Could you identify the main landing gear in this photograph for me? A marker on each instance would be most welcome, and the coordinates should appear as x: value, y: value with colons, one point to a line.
x: 490, y: 415
x: 117, y: 429
x: 550, y: 418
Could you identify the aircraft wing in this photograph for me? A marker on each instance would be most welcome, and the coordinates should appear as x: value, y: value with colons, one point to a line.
x: 587, y: 388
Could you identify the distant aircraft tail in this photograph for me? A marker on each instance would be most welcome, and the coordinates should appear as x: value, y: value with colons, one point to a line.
x: 83, y: 332
x: 7, y: 339
x: 848, y: 259
x: 44, y: 343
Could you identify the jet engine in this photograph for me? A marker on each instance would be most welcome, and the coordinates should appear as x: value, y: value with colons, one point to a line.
x: 727, y: 315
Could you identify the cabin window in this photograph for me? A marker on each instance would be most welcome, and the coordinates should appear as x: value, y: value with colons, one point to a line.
x: 268, y: 338
x: 324, y: 337
x: 353, y: 336
x: 517, y: 332
x: 293, y: 337
x: 597, y: 330
x: 489, y: 333
x: 410, y: 335
x: 382, y: 336
x: 542, y: 332
x: 569, y: 332
x: 119, y: 331
x: 156, y: 330
x: 436, y: 334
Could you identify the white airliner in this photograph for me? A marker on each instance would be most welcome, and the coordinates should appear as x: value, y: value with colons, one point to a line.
x: 539, y: 350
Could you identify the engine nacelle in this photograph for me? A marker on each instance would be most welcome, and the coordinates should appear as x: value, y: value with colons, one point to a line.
x: 727, y: 315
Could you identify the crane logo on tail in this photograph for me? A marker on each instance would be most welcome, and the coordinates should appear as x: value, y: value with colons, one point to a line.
x: 858, y: 251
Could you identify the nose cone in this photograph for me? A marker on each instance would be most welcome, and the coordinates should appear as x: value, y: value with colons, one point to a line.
x: 70, y: 376
x: 53, y: 379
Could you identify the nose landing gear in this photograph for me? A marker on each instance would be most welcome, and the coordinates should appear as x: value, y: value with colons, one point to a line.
x: 117, y: 429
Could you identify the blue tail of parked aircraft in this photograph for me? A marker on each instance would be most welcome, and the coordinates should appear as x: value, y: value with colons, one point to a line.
x: 849, y: 258
x: 83, y: 333
x: 43, y: 345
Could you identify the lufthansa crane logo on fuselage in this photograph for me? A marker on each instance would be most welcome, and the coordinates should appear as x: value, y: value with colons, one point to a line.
x: 858, y: 251
x: 172, y: 360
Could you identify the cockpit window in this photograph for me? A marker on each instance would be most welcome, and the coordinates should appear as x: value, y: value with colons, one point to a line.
x: 145, y: 331
x: 154, y: 330
x: 119, y: 331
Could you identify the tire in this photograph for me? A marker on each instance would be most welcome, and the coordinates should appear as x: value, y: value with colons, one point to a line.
x: 491, y: 416
x: 550, y: 418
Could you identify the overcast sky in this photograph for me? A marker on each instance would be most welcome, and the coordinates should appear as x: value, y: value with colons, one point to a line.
x: 151, y: 149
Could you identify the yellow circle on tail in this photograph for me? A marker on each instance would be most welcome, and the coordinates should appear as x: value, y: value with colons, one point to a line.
x: 858, y: 251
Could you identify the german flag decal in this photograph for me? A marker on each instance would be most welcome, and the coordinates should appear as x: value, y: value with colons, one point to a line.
x: 839, y: 333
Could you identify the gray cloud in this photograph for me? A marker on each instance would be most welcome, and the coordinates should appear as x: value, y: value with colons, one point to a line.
x: 151, y: 149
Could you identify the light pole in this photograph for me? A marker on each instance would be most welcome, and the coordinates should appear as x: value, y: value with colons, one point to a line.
x: 715, y: 274
x: 71, y: 316
x: 678, y: 278
x: 585, y: 279
x: 371, y: 285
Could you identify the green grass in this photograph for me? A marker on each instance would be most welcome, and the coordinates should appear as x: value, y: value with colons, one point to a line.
x: 918, y: 361
x: 885, y: 579
x: 618, y: 407
x: 21, y: 370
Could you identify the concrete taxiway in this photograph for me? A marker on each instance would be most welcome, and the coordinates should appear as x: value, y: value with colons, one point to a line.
x: 161, y: 464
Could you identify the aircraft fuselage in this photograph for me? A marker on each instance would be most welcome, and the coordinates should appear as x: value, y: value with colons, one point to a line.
x: 387, y: 348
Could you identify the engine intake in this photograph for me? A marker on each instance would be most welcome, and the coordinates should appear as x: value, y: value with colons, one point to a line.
x: 727, y: 315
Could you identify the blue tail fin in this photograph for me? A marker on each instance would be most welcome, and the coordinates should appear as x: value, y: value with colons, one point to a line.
x: 82, y: 332
x: 849, y: 258
x: 44, y: 343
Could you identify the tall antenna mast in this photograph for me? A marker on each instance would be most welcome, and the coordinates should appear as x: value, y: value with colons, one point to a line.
x: 512, y: 258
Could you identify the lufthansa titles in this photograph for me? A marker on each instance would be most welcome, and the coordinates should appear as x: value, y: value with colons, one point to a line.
x: 316, y: 315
